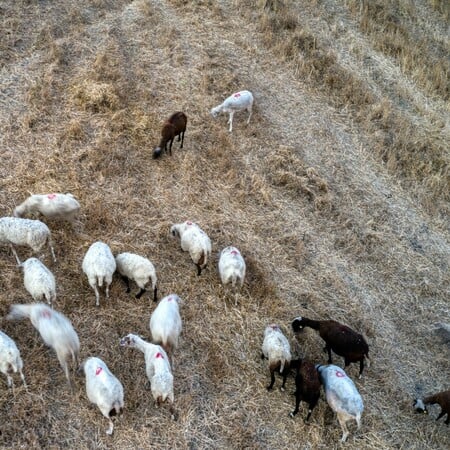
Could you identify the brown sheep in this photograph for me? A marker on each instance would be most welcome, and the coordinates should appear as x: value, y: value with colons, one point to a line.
x: 442, y: 399
x: 174, y: 126
x: 341, y: 339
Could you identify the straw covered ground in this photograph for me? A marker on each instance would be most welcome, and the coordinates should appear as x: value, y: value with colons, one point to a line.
x: 337, y: 194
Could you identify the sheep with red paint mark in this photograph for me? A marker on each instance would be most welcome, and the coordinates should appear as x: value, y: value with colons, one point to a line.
x: 307, y: 385
x: 174, y: 126
x: 165, y: 323
x: 341, y: 339
x: 441, y: 398
x: 55, y: 329
x: 232, y: 268
x: 195, y: 241
x: 277, y: 350
x: 239, y: 101
x: 17, y: 231
x: 103, y: 389
x: 342, y: 396
x: 157, y: 367
x: 10, y: 360
x: 53, y: 206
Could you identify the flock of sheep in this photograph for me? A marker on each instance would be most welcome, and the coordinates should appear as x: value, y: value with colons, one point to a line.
x: 99, y: 264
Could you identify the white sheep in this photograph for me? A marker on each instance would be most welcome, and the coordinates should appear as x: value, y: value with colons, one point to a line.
x: 10, y: 360
x: 55, y: 329
x: 238, y: 101
x: 39, y: 280
x: 277, y: 350
x: 232, y: 267
x: 99, y: 266
x: 342, y: 396
x: 157, y: 368
x: 195, y: 241
x: 137, y: 268
x: 103, y: 389
x: 57, y: 206
x: 165, y: 323
x: 34, y: 233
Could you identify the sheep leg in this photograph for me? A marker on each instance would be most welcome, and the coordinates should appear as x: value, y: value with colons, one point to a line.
x: 107, y: 290
x: 50, y: 244
x: 328, y: 349
x: 230, y: 121
x: 284, y: 374
x: 312, y: 405
x: 139, y: 294
x: 110, y: 429
x: 15, y: 254
x: 361, y: 367
x: 127, y: 283
x: 182, y: 139
x: 170, y: 147
x: 298, y: 399
x: 23, y: 379
x: 442, y: 414
x: 199, y: 269
x: 343, y: 423
x: 249, y: 109
x: 272, y: 380
x: 155, y: 292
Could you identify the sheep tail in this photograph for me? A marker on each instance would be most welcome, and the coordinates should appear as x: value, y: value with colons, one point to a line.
x: 100, y: 281
x: 19, y: 312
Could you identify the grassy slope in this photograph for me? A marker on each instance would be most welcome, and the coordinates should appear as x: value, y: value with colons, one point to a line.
x: 330, y: 226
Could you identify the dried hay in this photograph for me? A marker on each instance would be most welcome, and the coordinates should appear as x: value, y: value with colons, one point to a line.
x: 325, y: 229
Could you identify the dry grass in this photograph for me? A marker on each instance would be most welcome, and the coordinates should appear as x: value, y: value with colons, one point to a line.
x: 312, y: 191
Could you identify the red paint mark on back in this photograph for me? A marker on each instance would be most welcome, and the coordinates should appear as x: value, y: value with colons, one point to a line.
x: 237, y: 95
x: 159, y: 355
x: 234, y: 252
x: 98, y: 371
x: 340, y: 374
x: 188, y: 222
x: 51, y: 196
x: 46, y: 314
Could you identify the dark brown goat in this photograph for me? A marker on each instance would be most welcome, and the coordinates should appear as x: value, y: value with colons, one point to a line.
x: 307, y: 384
x: 174, y: 126
x: 442, y: 399
x: 341, y: 339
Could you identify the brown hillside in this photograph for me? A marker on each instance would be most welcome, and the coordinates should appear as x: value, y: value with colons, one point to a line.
x: 337, y: 194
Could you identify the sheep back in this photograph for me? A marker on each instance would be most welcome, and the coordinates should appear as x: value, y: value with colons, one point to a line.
x: 340, y: 391
x: 137, y: 268
x: 165, y: 322
x: 231, y: 266
x: 99, y: 263
x: 276, y: 347
x: 38, y: 280
x: 63, y: 206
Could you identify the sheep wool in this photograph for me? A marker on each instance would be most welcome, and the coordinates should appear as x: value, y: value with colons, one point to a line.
x: 55, y: 329
x: 99, y: 266
x: 342, y: 396
x: 10, y: 360
x: 157, y: 367
x: 58, y: 206
x: 39, y: 281
x: 165, y: 323
x: 239, y: 101
x: 139, y: 269
x: 195, y: 241
x: 103, y: 389
x: 277, y: 350
x: 17, y: 231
